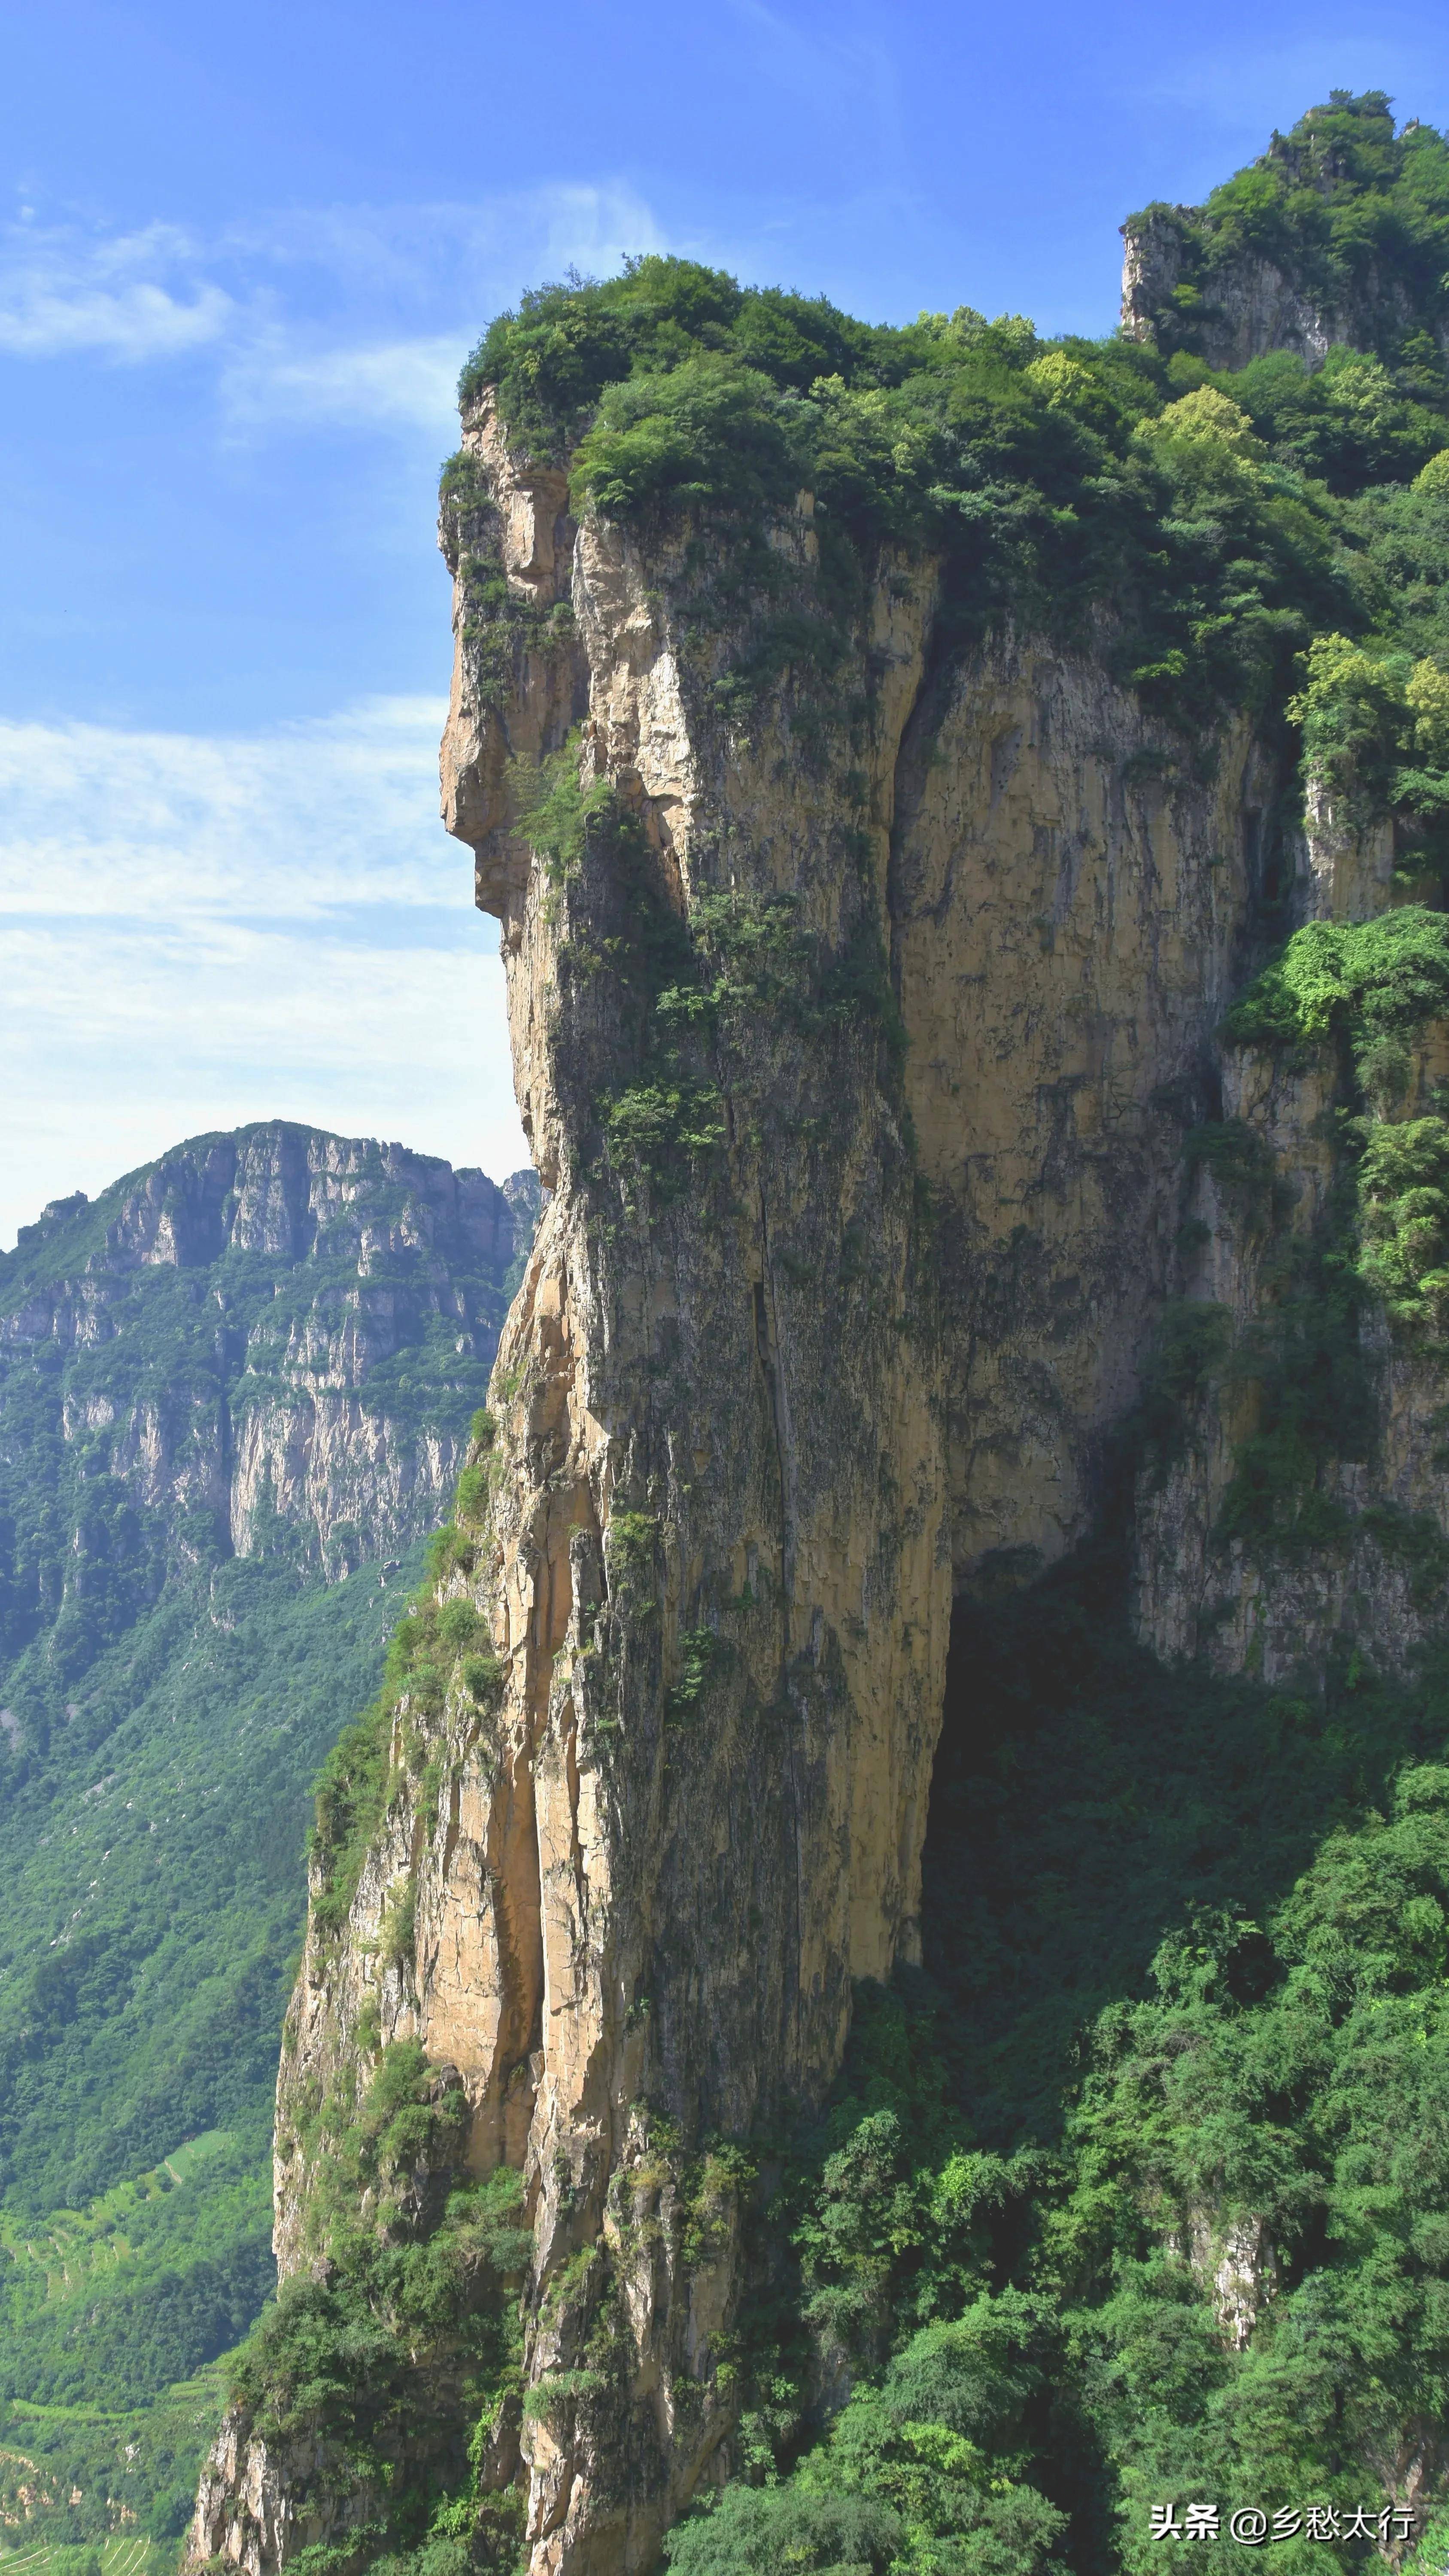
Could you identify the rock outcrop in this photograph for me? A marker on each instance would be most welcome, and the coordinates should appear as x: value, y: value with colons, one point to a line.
x: 1231, y: 283
x: 1247, y: 307
x: 751, y: 1431
x: 1370, y: 1582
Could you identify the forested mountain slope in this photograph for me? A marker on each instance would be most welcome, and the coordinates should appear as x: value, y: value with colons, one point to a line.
x: 243, y: 1371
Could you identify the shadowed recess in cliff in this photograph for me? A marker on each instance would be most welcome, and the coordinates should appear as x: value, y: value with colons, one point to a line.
x: 1087, y: 1799
x: 1136, y: 2193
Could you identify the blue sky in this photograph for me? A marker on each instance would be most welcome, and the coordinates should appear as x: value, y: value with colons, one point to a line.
x: 242, y: 253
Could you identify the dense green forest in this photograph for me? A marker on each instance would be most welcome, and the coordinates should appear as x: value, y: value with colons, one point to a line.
x: 1183, y: 1988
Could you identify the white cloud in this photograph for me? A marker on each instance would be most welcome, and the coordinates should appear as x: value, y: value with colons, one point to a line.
x: 410, y: 382
x: 199, y: 930
x: 470, y: 249
x: 353, y: 314
x: 128, y: 296
x: 294, y: 824
x: 476, y: 258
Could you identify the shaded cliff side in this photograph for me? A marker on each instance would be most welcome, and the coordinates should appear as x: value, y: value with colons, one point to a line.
x: 893, y: 762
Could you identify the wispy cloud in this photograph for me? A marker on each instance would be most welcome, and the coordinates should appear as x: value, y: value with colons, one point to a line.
x: 413, y: 382
x: 125, y: 296
x: 201, y: 929
x: 360, y: 314
x: 453, y: 246
x: 298, y: 823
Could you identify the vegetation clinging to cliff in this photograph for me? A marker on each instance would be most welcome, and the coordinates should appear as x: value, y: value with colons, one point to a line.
x: 1348, y: 211
x: 1181, y: 2057
x: 438, y: 1648
x: 1357, y: 997
x: 1053, y: 477
x: 1361, y: 982
x: 409, y: 2318
x: 1211, y: 525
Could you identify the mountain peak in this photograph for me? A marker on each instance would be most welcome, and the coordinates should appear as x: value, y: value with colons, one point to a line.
x: 1337, y: 234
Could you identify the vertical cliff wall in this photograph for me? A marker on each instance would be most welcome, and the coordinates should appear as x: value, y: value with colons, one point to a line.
x: 775, y: 1376
x: 868, y: 945
x: 1301, y: 1509
x: 276, y: 1331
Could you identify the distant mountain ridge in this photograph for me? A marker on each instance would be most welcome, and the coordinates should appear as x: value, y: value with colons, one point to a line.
x: 270, y: 1339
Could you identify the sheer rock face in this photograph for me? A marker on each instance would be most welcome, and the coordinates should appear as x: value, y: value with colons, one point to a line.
x: 753, y: 1426
x: 1244, y: 303
x: 303, y: 1264
x: 1235, y: 2261
x: 1065, y: 922
x: 719, y: 1452
x: 1249, y: 306
x: 763, y: 1403
x: 1377, y: 1587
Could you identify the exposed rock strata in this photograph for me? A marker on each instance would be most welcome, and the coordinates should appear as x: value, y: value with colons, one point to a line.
x: 1065, y: 923
x: 1247, y: 305
x: 781, y: 1410
x: 759, y: 1415
x: 1280, y: 1614
x: 311, y: 1273
x: 1251, y: 306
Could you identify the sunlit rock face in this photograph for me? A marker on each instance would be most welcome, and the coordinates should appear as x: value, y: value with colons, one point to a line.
x: 278, y: 1330
x: 840, y: 1302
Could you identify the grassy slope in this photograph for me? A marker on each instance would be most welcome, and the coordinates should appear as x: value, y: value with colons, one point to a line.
x: 165, y: 1709
x: 154, y: 1901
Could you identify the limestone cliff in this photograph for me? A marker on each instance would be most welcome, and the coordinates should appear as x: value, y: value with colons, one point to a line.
x: 1364, y: 1575
x: 247, y: 1344
x: 750, y: 1434
x: 1262, y: 266
x: 866, y: 1037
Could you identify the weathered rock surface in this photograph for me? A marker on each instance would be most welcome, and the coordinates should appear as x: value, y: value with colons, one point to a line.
x: 252, y: 1339
x: 1250, y: 305
x: 771, y: 1388
x: 1280, y: 1614
x: 750, y: 1431
x: 1184, y: 279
